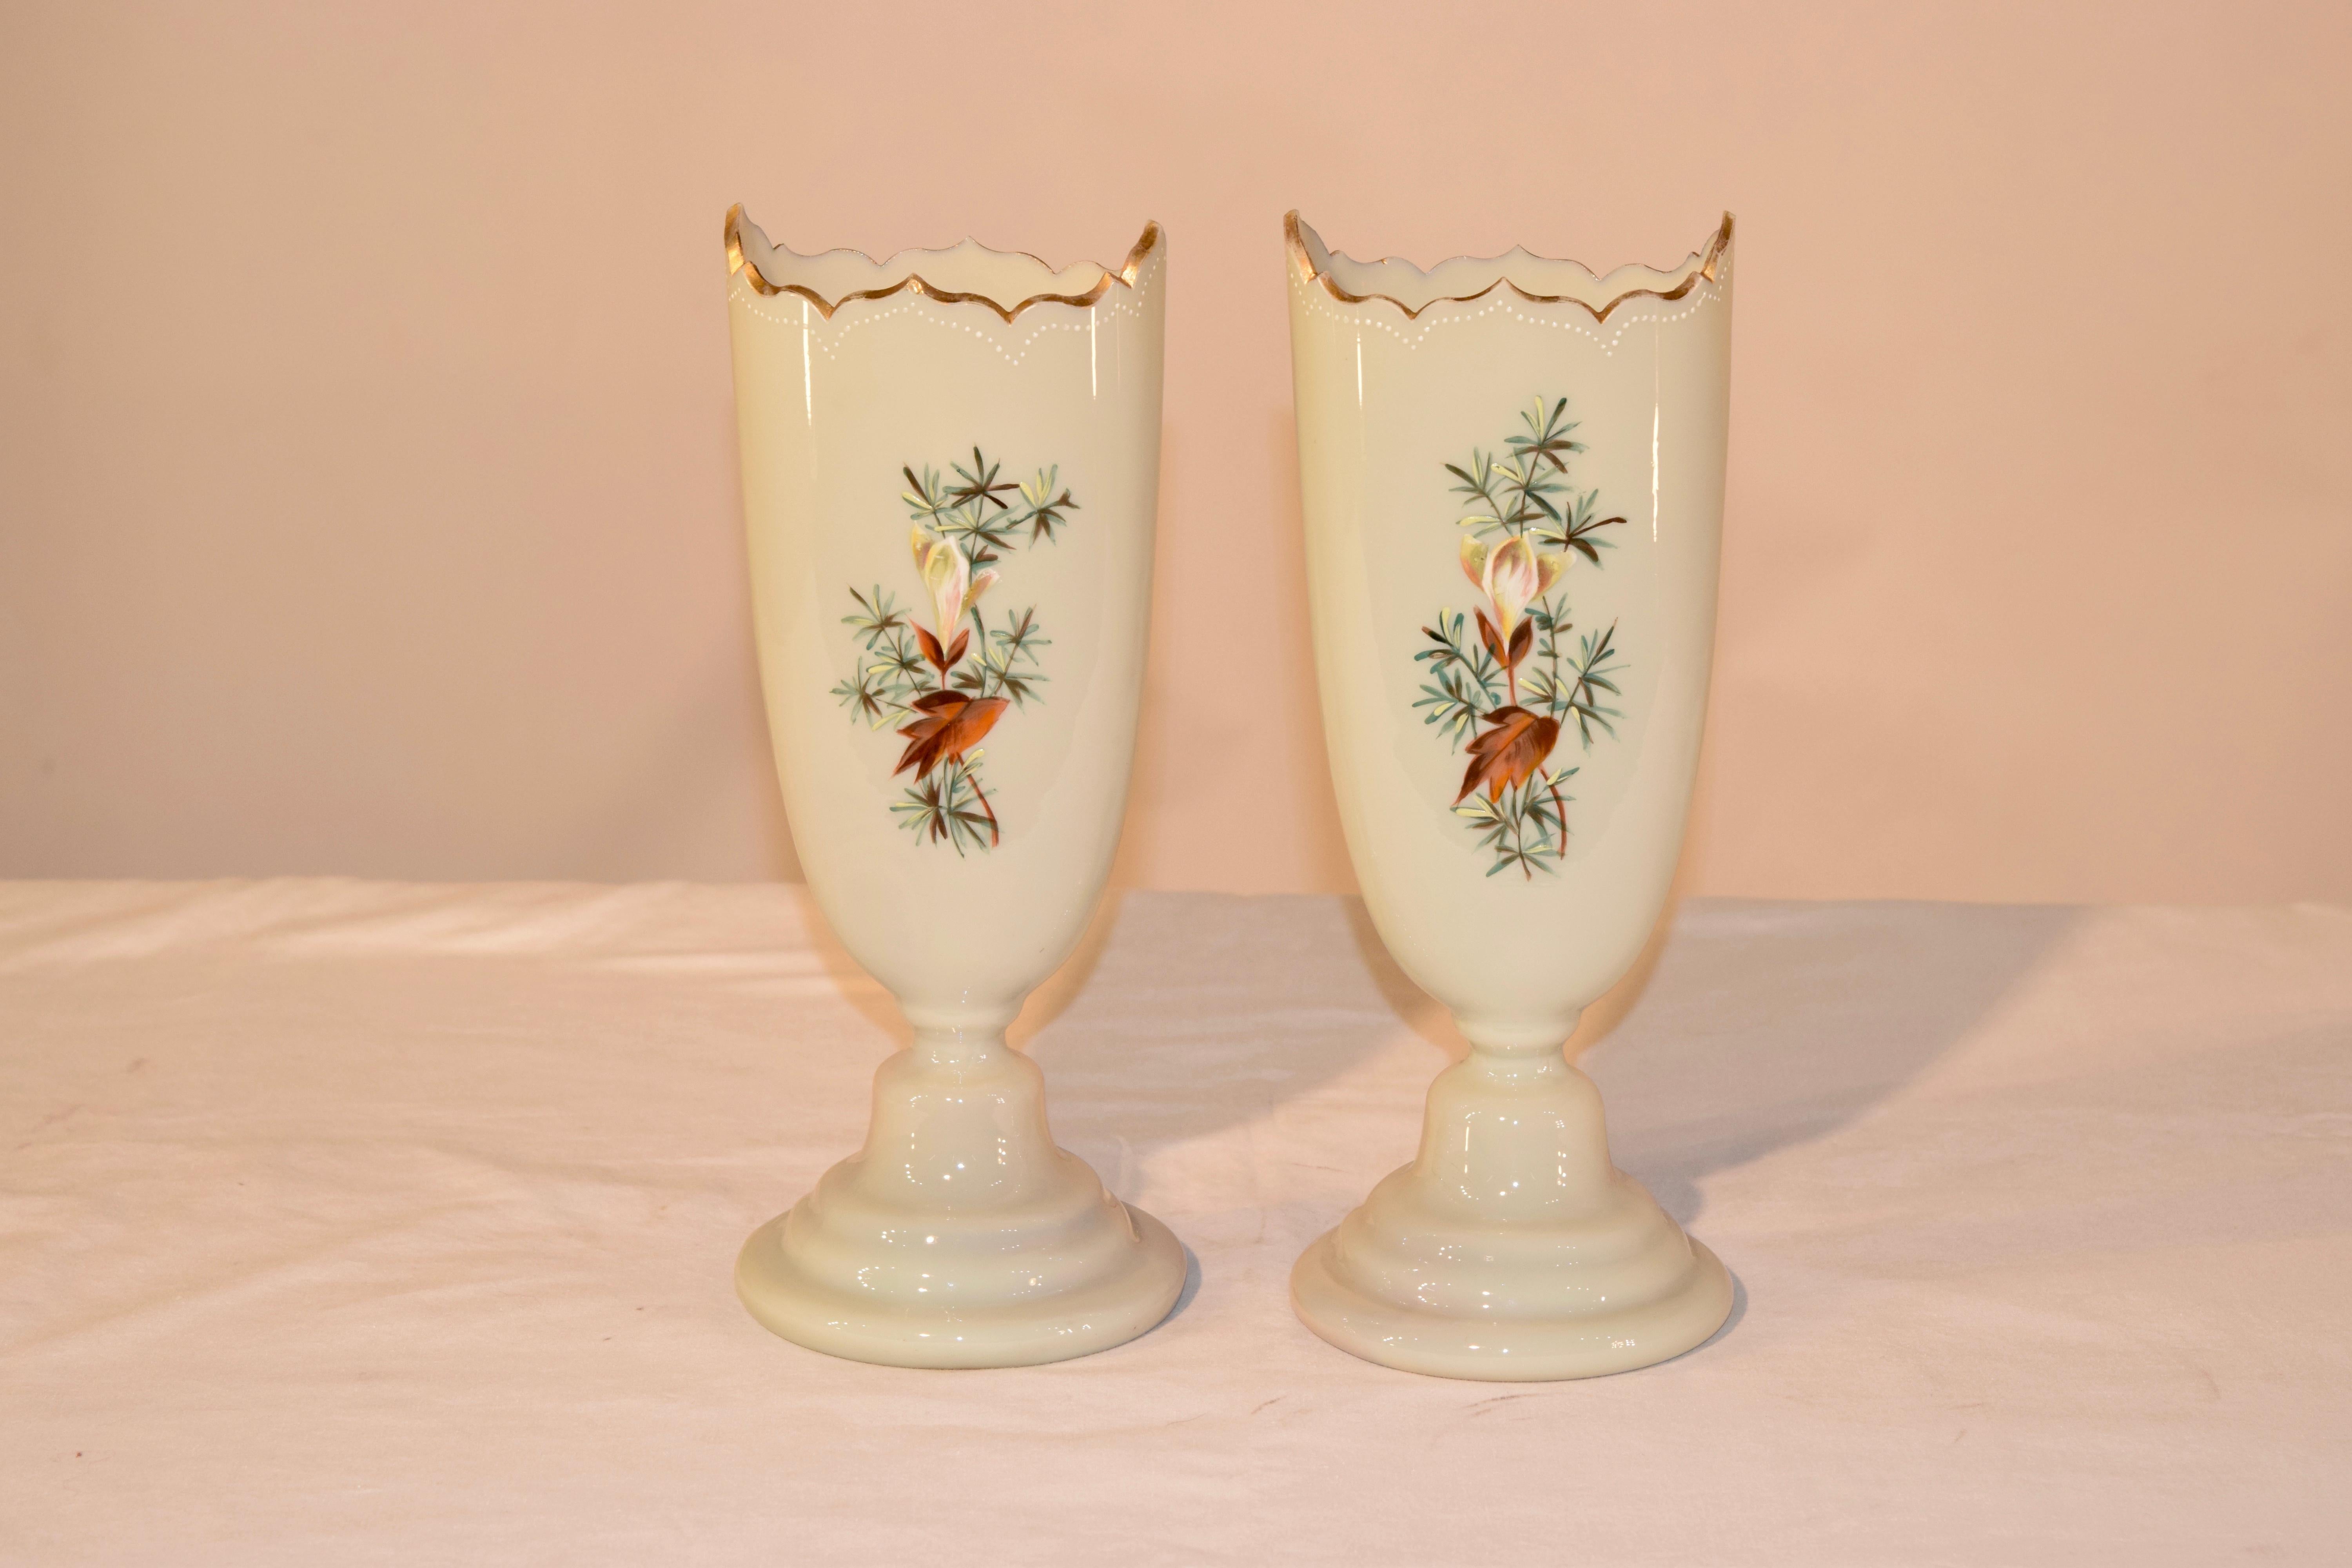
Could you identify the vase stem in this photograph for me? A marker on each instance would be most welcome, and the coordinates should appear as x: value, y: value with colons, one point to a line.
x: 952, y: 1048
x: 1517, y: 1036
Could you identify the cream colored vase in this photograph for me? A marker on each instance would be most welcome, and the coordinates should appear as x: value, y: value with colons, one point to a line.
x: 1513, y: 479
x: 950, y: 462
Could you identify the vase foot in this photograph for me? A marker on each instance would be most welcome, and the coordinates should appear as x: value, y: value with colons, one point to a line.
x: 1337, y: 1300
x: 1107, y: 1289
x: 1512, y: 1250
x: 960, y: 1235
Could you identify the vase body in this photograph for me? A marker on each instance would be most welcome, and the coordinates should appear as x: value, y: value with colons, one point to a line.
x: 1512, y: 477
x: 951, y: 466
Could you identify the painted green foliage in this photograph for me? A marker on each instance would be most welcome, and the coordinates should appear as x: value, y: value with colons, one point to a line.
x: 948, y: 684
x: 1504, y: 684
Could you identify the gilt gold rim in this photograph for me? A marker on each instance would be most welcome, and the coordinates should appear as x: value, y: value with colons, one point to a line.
x: 915, y: 283
x: 1710, y: 267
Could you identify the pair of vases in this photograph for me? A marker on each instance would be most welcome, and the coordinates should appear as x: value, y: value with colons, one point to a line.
x: 1513, y: 482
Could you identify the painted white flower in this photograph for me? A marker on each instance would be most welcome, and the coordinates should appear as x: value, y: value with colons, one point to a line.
x: 1512, y: 574
x: 948, y: 579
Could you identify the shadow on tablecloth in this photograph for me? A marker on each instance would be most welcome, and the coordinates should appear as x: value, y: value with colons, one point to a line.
x: 1745, y: 1027
x: 1769, y: 1025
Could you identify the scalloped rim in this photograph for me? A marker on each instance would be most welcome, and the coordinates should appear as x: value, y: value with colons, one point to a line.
x: 1709, y: 264
x: 917, y: 284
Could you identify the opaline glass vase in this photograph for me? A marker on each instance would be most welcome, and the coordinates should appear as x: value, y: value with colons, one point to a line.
x: 950, y: 464
x: 1513, y: 481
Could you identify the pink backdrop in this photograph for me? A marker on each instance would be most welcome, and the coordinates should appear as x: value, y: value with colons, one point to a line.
x: 366, y: 478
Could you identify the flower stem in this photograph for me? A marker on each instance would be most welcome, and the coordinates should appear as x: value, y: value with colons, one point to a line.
x: 995, y: 834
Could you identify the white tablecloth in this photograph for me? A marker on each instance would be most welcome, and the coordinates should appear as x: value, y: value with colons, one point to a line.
x: 346, y: 1223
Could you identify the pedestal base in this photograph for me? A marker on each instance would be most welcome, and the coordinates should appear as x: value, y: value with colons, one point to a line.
x: 1499, y: 1350
x: 960, y: 1236
x: 1094, y: 1314
x: 1511, y: 1250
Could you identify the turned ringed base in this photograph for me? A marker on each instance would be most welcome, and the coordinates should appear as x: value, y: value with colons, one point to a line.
x: 1516, y: 1349
x: 1101, y: 1312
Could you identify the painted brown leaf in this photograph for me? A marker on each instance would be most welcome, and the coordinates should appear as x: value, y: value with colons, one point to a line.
x: 1507, y: 654
x: 1492, y: 638
x: 1509, y: 754
x: 943, y: 659
x: 951, y: 724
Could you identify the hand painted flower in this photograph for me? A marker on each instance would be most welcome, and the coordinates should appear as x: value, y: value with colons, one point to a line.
x: 1512, y: 574
x: 947, y: 578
